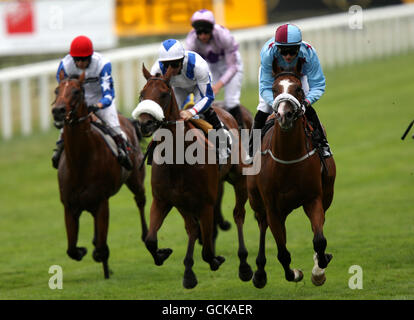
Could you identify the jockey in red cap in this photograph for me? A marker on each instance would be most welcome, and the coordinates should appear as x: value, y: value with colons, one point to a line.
x: 99, y: 92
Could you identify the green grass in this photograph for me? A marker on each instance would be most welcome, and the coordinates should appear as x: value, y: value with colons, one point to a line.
x: 365, y: 110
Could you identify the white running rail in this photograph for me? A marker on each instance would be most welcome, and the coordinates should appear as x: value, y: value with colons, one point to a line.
x: 26, y: 92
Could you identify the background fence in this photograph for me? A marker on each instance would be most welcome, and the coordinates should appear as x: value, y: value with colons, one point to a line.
x: 26, y: 92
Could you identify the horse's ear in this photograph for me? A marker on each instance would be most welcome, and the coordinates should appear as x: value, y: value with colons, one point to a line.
x: 298, y: 67
x: 275, y: 67
x: 146, y: 73
x: 168, y: 74
x: 82, y: 77
x: 61, y: 75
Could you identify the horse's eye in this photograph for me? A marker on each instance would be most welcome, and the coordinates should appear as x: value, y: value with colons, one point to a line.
x: 164, y: 95
x: 57, y: 90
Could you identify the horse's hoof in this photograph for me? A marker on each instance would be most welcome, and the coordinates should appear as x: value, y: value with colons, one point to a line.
x: 259, y: 279
x: 318, y: 280
x: 162, y: 255
x: 298, y: 275
x: 245, y: 272
x: 190, y: 280
x: 216, y: 263
x: 78, y: 253
x: 225, y: 225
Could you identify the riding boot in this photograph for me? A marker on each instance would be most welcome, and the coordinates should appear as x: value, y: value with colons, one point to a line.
x: 258, y: 123
x: 237, y: 114
x: 222, y: 153
x: 123, y: 153
x: 318, y: 135
x: 57, y: 153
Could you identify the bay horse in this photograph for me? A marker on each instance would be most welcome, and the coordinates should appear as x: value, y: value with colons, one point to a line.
x: 89, y: 174
x: 291, y: 176
x: 191, y: 188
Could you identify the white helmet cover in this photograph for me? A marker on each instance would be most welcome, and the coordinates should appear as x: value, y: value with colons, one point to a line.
x: 170, y: 50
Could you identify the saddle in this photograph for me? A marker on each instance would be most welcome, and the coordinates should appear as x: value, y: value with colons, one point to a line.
x: 104, y: 132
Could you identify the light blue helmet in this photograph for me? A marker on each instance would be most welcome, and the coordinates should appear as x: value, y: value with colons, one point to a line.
x: 170, y: 50
x: 288, y: 35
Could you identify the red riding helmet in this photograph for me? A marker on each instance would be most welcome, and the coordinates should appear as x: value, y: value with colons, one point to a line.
x: 81, y: 46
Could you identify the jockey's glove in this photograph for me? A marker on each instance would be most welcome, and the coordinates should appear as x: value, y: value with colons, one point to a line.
x: 93, y: 108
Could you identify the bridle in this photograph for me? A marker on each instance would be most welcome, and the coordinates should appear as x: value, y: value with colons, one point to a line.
x: 70, y: 117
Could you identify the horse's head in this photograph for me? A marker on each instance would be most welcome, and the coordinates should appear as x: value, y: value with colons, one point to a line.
x: 155, y: 102
x: 69, y: 103
x: 288, y: 95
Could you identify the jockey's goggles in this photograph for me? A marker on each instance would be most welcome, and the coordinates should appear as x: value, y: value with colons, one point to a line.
x: 285, y: 50
x: 174, y: 63
x: 76, y: 59
x: 203, y: 30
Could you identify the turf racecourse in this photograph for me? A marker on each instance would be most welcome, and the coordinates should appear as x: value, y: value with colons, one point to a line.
x: 370, y: 224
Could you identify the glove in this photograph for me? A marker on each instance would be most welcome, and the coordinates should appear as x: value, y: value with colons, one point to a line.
x: 93, y: 108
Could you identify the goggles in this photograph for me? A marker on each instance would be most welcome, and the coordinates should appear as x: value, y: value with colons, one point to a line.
x: 285, y: 50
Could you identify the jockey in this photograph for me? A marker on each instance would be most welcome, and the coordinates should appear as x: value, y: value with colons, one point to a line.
x: 287, y: 47
x: 99, y: 92
x: 190, y: 75
x: 218, y: 47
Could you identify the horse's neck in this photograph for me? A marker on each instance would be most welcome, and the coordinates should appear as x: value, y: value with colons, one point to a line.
x: 291, y: 144
x: 78, y: 143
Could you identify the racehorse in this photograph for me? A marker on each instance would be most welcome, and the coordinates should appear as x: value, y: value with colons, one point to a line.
x: 291, y: 176
x: 89, y: 174
x: 191, y: 188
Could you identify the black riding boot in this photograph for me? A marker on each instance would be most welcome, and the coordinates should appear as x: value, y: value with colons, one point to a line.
x: 123, y: 152
x: 237, y: 114
x: 259, y: 122
x: 57, y: 153
x: 318, y: 135
x: 211, y: 116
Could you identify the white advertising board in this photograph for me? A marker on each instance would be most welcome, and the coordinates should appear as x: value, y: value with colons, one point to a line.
x: 48, y: 26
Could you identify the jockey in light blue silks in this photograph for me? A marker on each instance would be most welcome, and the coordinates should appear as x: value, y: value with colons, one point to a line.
x: 99, y: 92
x: 287, y: 47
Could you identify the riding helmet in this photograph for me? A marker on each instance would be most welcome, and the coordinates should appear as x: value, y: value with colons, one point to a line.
x: 81, y: 46
x: 288, y: 35
x: 170, y: 50
x: 203, y: 19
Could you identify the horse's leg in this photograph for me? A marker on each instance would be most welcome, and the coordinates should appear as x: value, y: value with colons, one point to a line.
x: 206, y: 226
x: 328, y: 181
x: 101, y: 252
x: 316, y: 215
x: 239, y: 212
x: 72, y: 230
x: 159, y: 211
x: 260, y: 277
x: 218, y: 214
x: 191, y: 226
x: 137, y: 188
x: 277, y: 225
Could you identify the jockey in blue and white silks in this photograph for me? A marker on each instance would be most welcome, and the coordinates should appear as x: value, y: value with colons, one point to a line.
x: 98, y: 87
x: 190, y: 74
x: 194, y: 76
x: 287, y: 48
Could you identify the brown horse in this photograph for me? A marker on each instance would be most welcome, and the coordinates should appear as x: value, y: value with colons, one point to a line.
x: 191, y: 188
x: 290, y: 177
x: 89, y: 174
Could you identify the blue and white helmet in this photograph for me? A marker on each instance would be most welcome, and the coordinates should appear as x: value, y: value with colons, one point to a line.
x: 170, y: 50
x: 288, y: 35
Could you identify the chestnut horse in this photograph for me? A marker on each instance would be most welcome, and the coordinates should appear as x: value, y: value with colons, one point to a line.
x: 89, y: 174
x: 291, y: 176
x: 191, y: 188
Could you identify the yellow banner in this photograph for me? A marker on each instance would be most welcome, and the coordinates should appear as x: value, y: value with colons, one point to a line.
x: 151, y: 17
